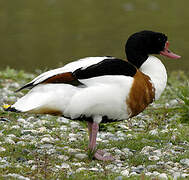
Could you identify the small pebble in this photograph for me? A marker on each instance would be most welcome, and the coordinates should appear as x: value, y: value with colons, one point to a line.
x: 133, y: 174
x: 46, y: 139
x: 22, y: 121
x: 16, y: 176
x: 163, y: 176
x: 81, y: 169
x: 138, y: 169
x: 63, y: 157
x: 118, y: 178
x: 125, y: 173
x: 42, y: 129
x: 153, y: 132
x: 63, y: 128
x: 155, y: 173
x: 9, y: 141
x: 74, y: 125
x: 153, y: 158
x: 46, y: 146
x: 65, y: 166
x: 93, y: 169
x: 2, y: 149
x: 81, y: 156
x: 147, y: 149
x: 176, y: 175
x: 63, y: 120
x: 72, y: 151
x: 185, y: 162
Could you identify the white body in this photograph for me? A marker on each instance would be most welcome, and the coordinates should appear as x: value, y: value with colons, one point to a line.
x: 102, y: 96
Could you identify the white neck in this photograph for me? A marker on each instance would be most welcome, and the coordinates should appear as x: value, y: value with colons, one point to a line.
x: 154, y: 68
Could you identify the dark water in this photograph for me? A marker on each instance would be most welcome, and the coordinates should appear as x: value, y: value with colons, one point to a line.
x: 39, y: 34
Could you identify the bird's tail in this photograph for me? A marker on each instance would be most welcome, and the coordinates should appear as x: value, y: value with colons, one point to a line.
x: 8, y: 107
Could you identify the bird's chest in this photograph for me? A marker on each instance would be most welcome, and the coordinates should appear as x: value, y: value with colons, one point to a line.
x: 142, y: 93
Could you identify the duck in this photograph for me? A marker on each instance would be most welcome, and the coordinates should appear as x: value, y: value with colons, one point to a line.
x: 101, y: 89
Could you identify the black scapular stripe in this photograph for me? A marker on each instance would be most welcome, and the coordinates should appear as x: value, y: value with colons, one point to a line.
x: 106, y: 67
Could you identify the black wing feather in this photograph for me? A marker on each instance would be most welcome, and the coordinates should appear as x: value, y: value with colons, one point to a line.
x: 106, y: 67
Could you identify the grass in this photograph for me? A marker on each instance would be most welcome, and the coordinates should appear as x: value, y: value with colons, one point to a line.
x: 169, y: 117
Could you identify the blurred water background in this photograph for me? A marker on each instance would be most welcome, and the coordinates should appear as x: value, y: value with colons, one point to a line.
x: 43, y: 34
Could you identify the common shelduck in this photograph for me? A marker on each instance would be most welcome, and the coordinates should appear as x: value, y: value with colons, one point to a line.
x: 101, y: 89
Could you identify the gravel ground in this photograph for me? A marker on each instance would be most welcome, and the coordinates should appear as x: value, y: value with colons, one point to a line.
x: 46, y: 146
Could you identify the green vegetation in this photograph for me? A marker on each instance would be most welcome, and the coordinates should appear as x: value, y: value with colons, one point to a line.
x: 163, y: 128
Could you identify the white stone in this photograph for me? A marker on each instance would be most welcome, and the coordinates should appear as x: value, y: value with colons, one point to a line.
x: 28, y: 125
x: 81, y: 169
x: 185, y: 162
x: 157, y: 152
x: 129, y: 135
x: 42, y: 129
x: 176, y: 175
x: 127, y: 151
x: 2, y: 149
x: 77, y: 164
x: 9, y: 140
x: 117, y: 151
x: 123, y: 126
x: 105, y: 141
x: 81, y: 156
x: 98, y: 139
x: 72, y: 151
x: 163, y: 176
x: 125, y: 173
x: 164, y: 131
x: 155, y: 173
x: 72, y: 135
x: 120, y: 134
x: 31, y: 118
x: 34, y: 167
x: 65, y: 158
x: 119, y: 178
x: 22, y: 143
x: 72, y: 139
x: 148, y: 173
x: 11, y: 136
x: 110, y: 166
x: 46, y: 139
x: 153, y: 158
x: 74, y: 125
x: 30, y: 131
x: 147, y: 149
x: 173, y: 102
x: 65, y: 166
x: 14, y: 85
x: 105, y: 135
x: 133, y: 174
x: 31, y: 162
x: 63, y: 128
x: 93, y: 169
x: 63, y: 120
x: 153, y: 132
x: 21, y: 120
x: 16, y: 176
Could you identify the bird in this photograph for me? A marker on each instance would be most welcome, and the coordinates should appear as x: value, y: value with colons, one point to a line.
x: 101, y: 89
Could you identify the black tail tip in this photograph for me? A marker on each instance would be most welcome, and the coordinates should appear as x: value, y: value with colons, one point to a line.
x: 9, y: 108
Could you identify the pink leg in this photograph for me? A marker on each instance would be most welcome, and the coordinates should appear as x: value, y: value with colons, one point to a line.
x: 93, y: 128
x: 90, y: 130
x: 93, y: 135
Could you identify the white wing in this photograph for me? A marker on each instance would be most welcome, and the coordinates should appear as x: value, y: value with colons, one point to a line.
x: 81, y: 63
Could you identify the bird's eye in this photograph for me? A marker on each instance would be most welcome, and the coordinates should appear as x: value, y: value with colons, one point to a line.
x: 159, y: 39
